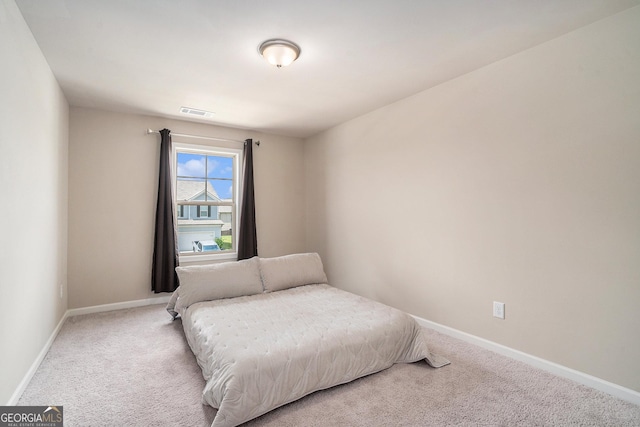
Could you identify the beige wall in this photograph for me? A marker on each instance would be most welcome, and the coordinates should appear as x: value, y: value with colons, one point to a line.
x: 519, y: 182
x: 33, y: 200
x: 113, y: 167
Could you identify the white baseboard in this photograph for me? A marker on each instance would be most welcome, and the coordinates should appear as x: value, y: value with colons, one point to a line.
x: 118, y: 306
x: 70, y: 313
x: 36, y: 363
x: 537, y: 362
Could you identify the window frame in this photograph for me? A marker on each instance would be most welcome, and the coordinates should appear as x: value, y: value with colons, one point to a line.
x: 211, y: 150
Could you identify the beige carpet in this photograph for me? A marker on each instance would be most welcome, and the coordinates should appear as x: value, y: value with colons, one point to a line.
x: 134, y: 368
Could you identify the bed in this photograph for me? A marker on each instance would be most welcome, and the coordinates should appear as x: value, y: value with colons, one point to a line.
x: 268, y: 331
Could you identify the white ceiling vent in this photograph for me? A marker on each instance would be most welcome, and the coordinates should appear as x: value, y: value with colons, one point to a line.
x: 196, y: 112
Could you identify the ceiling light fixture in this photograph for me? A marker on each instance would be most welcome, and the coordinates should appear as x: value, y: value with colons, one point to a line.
x: 279, y: 52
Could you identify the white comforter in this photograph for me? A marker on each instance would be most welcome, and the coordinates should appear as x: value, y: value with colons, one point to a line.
x: 262, y: 351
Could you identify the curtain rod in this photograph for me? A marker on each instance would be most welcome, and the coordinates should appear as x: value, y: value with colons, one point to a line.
x: 150, y: 131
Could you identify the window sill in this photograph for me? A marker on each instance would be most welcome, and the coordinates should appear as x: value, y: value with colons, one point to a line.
x: 188, y: 259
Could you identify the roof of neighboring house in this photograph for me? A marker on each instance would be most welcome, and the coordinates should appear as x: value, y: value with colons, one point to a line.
x: 189, y: 190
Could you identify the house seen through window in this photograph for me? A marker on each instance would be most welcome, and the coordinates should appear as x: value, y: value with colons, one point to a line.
x: 206, y: 188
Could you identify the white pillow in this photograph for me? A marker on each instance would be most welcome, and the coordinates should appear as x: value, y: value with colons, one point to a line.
x: 215, y: 281
x: 291, y: 270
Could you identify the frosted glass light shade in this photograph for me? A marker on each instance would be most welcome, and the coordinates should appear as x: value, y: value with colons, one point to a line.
x: 279, y: 52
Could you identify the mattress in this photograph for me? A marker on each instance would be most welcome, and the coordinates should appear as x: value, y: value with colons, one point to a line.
x: 263, y: 351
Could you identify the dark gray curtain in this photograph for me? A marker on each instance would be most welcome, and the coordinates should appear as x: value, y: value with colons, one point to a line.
x: 248, y: 242
x: 165, y: 248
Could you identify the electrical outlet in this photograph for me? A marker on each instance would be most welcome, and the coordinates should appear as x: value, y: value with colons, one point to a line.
x: 498, y: 309
x: 61, y: 291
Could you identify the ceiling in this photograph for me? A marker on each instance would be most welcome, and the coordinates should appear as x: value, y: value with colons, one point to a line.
x: 154, y: 56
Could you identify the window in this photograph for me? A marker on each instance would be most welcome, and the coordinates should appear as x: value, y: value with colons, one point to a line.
x: 207, y: 191
x: 203, y: 211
